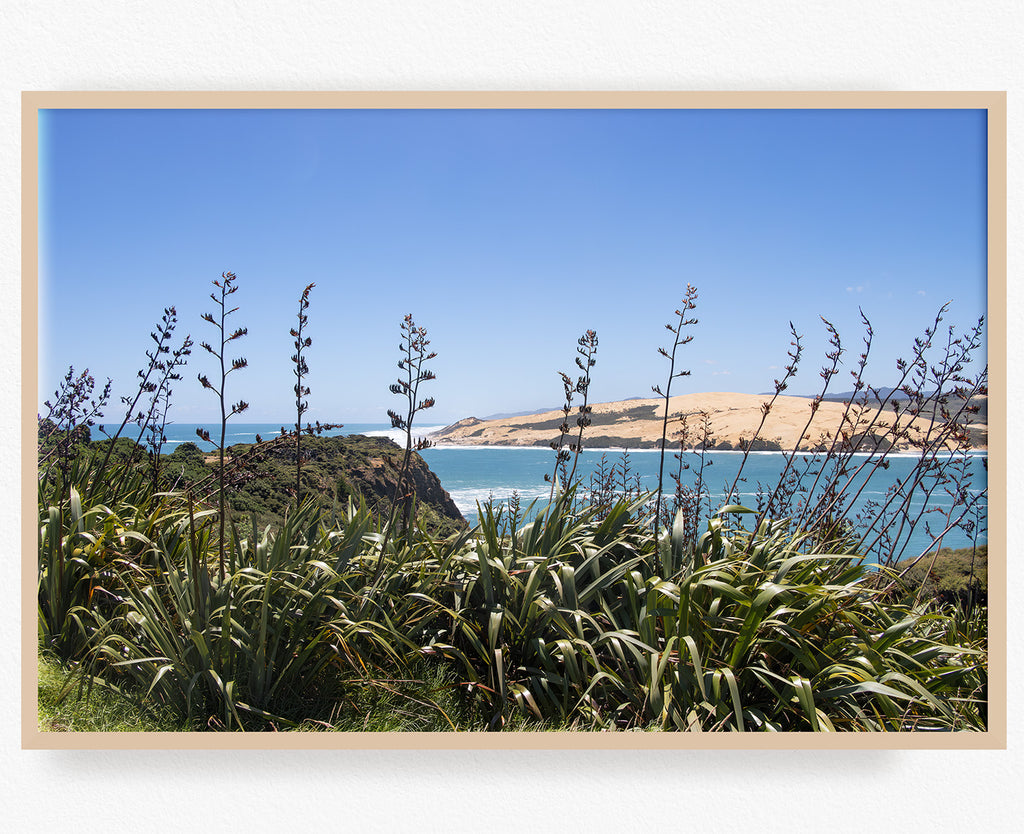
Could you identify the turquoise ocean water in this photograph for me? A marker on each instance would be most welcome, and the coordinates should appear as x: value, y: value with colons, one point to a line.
x: 472, y: 474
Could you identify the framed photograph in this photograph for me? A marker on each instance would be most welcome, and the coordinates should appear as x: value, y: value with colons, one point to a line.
x: 514, y: 420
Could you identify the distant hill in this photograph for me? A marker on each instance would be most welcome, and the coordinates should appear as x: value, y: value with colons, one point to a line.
x: 636, y: 424
x: 883, y: 394
x: 894, y: 395
x: 516, y: 414
x: 842, y: 396
x: 512, y: 414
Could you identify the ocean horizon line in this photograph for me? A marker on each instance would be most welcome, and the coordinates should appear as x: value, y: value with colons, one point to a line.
x: 377, y: 428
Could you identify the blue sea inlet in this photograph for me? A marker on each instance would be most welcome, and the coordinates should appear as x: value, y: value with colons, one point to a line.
x: 475, y: 474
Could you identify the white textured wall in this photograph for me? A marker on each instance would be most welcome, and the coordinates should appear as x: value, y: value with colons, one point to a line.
x: 480, y: 45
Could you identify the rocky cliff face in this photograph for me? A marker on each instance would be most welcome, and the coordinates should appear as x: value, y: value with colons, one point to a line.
x: 372, y: 470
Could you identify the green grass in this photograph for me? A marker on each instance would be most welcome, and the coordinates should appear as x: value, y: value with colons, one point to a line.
x: 429, y: 703
x: 63, y: 709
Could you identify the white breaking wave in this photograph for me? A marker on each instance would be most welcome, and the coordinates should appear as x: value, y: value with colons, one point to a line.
x: 482, y: 448
x: 398, y: 435
x: 620, y: 449
x: 467, y: 499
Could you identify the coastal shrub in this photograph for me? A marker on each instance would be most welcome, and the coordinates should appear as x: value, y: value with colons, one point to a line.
x: 956, y: 575
x: 518, y: 617
x: 560, y: 620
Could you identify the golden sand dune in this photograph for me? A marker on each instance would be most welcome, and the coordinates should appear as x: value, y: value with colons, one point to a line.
x: 732, y: 418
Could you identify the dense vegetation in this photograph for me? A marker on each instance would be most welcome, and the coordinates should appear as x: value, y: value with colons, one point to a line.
x: 334, y: 469
x: 957, y: 576
x: 605, y: 609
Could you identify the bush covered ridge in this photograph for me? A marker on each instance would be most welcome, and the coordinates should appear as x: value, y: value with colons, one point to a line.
x: 334, y: 469
x: 605, y: 609
x: 953, y: 576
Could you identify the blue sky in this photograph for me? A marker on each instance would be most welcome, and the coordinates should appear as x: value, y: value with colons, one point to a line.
x: 507, y: 234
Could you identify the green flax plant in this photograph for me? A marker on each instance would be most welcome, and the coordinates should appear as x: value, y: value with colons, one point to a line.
x: 301, y: 371
x: 566, y: 621
x: 693, y: 498
x: 414, y: 349
x: 795, y: 353
x: 255, y: 649
x: 562, y: 454
x: 226, y: 287
x: 66, y: 577
x: 587, y: 350
x: 772, y: 637
x: 154, y: 379
x: 781, y: 496
x: 79, y: 546
x: 523, y: 621
x: 878, y: 425
x: 65, y: 428
x: 683, y: 321
x: 69, y: 564
x: 930, y: 418
x: 586, y: 347
x: 155, y: 422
